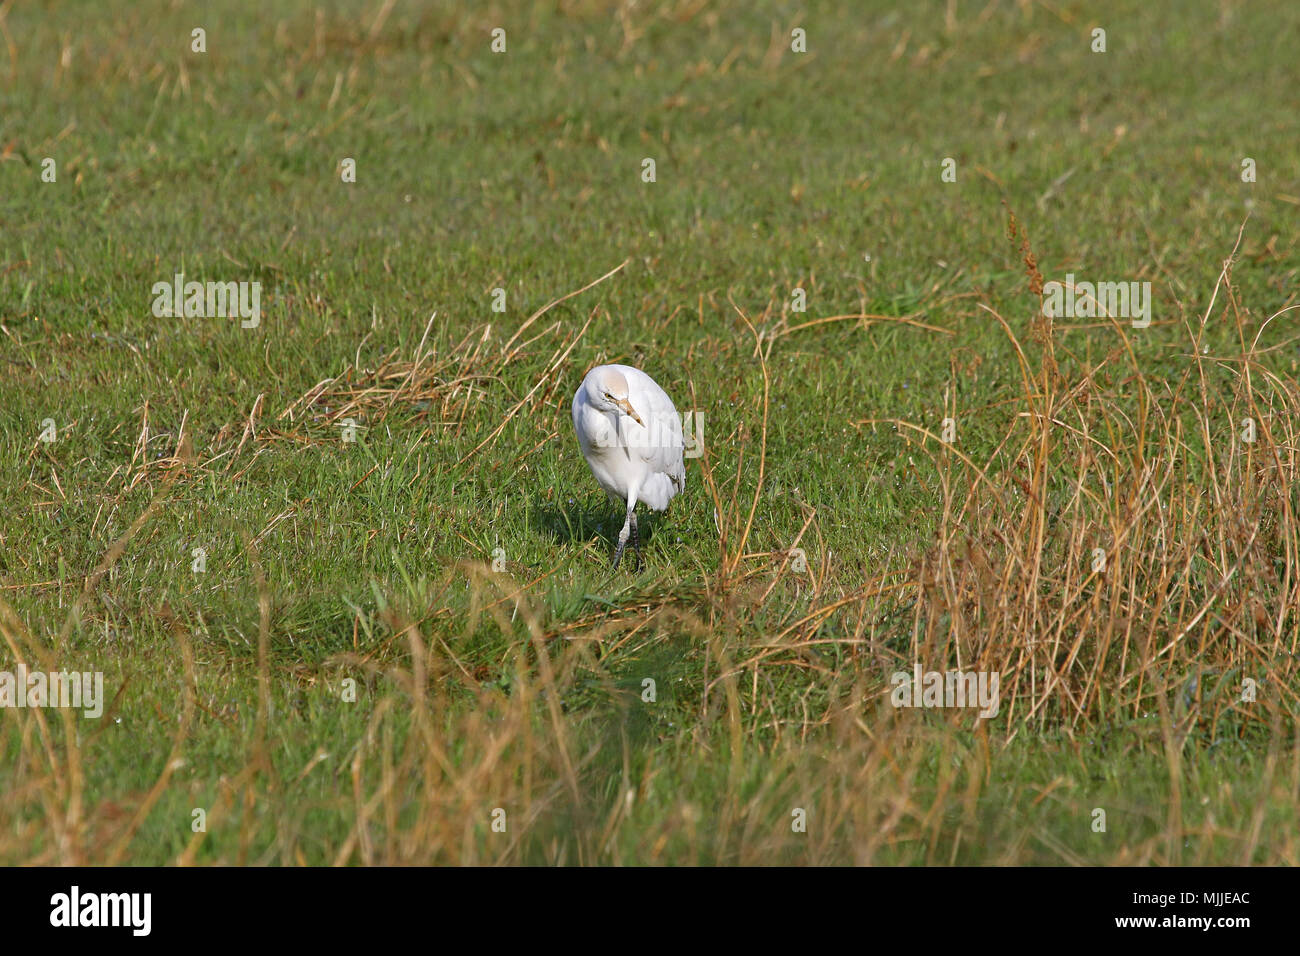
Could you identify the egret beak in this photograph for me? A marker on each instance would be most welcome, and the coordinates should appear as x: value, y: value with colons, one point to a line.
x: 626, y: 406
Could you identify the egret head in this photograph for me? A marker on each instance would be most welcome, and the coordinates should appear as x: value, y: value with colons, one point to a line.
x: 607, y: 389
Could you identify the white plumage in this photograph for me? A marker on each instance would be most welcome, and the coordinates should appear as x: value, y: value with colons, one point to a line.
x: 630, y: 434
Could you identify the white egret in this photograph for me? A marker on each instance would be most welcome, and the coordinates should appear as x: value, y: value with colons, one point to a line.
x: 631, y: 436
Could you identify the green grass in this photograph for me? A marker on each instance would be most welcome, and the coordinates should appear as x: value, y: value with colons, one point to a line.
x: 521, y: 689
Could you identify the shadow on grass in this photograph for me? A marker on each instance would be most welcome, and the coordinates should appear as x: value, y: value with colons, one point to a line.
x: 576, y: 522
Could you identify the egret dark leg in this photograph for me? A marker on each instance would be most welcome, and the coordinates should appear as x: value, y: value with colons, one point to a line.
x: 636, y: 544
x: 629, y: 523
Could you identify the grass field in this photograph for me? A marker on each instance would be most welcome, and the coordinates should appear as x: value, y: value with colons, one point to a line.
x: 409, y: 647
